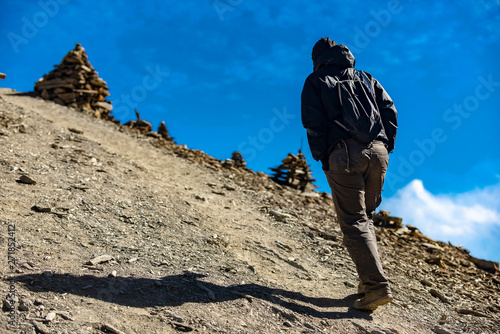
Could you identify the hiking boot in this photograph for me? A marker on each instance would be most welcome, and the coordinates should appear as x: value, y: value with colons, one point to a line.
x: 373, y: 299
x: 361, y: 288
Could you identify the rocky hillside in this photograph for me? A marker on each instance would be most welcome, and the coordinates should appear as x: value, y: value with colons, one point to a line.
x: 121, y: 231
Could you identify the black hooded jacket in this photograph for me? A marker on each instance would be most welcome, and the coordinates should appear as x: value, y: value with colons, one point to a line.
x: 320, y: 106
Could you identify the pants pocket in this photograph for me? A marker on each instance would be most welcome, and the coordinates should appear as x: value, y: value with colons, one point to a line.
x: 338, y: 160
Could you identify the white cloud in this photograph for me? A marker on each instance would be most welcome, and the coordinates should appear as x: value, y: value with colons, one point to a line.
x: 471, y: 219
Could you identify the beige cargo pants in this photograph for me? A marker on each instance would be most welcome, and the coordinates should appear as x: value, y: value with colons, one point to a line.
x: 356, y: 175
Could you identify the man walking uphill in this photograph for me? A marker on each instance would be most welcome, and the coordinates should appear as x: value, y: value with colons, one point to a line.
x: 351, y: 127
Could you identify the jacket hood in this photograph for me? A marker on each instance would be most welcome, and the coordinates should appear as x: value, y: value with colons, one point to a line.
x: 337, y: 55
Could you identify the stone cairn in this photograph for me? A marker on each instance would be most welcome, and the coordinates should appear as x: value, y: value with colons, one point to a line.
x: 146, y: 128
x: 294, y: 172
x: 235, y: 161
x: 141, y: 125
x: 383, y: 218
x: 75, y: 83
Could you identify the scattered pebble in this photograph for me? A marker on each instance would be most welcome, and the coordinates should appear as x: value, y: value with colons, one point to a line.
x: 79, y: 132
x: 200, y: 198
x: 26, y: 179
x: 441, y: 330
x: 50, y: 316
x: 24, y: 305
x: 228, y: 187
x: 439, y: 295
x: 40, y: 208
x: 41, y: 328
x: 100, y: 259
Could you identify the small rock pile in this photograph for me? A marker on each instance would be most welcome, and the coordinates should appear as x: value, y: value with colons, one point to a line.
x: 141, y: 125
x: 384, y: 219
x: 75, y: 83
x: 237, y: 157
x: 235, y: 161
x: 163, y: 132
x: 294, y: 172
x: 146, y: 128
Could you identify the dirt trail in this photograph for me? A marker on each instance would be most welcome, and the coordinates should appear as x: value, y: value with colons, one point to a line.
x: 194, y: 246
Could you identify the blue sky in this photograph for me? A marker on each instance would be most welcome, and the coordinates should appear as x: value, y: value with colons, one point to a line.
x: 227, y: 75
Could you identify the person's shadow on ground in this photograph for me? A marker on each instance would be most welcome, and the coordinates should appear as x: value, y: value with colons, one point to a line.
x: 176, y: 290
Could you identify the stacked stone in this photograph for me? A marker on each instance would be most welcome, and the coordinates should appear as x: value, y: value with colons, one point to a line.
x: 163, y: 132
x: 141, y: 125
x: 75, y: 83
x: 146, y: 128
x: 235, y: 161
x: 294, y: 172
x: 237, y: 157
x: 384, y: 219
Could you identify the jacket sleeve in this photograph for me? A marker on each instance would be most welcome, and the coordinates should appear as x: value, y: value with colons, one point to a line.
x: 314, y: 120
x: 388, y: 114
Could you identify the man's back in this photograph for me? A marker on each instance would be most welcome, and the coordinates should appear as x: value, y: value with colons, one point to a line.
x: 321, y: 106
x: 355, y: 168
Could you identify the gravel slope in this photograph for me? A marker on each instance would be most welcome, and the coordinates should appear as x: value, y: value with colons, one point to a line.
x: 192, y: 246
